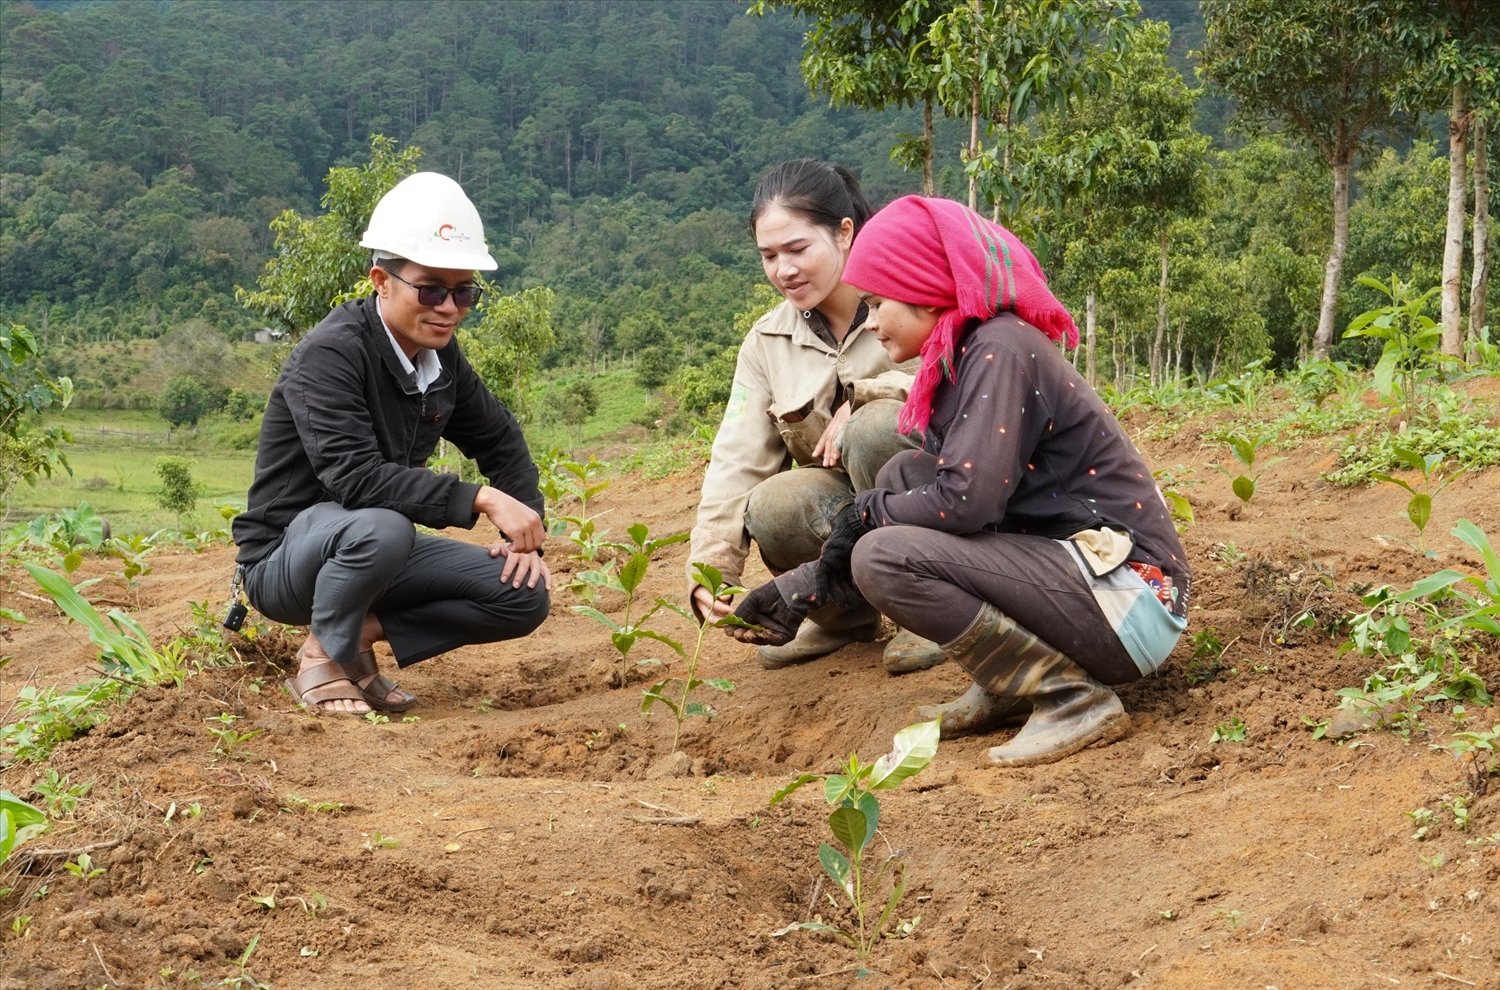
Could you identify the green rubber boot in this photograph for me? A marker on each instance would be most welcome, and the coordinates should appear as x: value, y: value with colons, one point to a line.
x: 908, y: 652
x: 1070, y: 710
x: 975, y: 712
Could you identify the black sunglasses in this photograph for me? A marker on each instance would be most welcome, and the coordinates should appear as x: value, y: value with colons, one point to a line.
x: 434, y: 295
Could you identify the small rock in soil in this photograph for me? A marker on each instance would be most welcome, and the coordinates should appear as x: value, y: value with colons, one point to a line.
x: 679, y: 764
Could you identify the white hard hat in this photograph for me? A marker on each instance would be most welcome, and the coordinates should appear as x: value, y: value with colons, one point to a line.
x: 426, y: 218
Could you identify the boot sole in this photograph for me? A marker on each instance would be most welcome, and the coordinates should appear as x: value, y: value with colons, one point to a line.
x: 1111, y: 731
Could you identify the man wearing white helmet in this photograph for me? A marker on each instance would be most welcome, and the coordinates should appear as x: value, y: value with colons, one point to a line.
x: 329, y: 538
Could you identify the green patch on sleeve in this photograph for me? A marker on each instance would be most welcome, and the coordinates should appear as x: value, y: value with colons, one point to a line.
x: 739, y: 398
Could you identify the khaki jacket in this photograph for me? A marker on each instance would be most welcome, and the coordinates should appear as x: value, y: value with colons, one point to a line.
x: 783, y: 368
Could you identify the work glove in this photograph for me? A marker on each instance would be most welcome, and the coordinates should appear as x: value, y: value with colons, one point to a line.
x: 836, y: 565
x: 765, y: 607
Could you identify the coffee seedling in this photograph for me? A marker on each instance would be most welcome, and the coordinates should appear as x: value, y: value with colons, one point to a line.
x: 227, y: 740
x: 83, y: 868
x: 1245, y: 449
x: 1423, y: 818
x: 625, y: 634
x: 60, y: 795
x: 1231, y: 731
x: 854, y: 820
x: 712, y: 578
x: 1419, y: 506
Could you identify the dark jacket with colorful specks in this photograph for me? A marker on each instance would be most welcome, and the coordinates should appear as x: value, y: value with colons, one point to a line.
x: 1024, y: 445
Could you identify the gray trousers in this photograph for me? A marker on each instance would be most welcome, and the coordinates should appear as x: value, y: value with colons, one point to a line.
x: 934, y: 583
x: 334, y: 566
x: 790, y: 514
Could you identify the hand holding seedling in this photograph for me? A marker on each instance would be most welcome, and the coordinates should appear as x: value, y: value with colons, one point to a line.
x: 776, y: 618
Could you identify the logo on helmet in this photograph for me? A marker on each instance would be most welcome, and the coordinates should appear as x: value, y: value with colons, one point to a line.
x: 447, y: 232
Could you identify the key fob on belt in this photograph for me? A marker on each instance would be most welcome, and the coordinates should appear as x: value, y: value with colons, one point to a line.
x: 236, y: 617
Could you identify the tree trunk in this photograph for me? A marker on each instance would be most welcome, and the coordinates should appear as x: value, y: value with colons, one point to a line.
x: 1323, y: 339
x: 928, y: 188
x: 1090, y: 338
x: 1161, y: 314
x: 1453, y: 239
x: 1181, y: 332
x: 1114, y: 350
x: 1479, y: 284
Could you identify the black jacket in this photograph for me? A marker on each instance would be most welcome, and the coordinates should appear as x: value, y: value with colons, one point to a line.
x: 346, y: 424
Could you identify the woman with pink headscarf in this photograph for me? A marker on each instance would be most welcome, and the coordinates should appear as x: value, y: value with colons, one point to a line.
x: 1027, y: 536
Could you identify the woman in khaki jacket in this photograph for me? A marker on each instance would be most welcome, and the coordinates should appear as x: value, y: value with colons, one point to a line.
x: 811, y: 388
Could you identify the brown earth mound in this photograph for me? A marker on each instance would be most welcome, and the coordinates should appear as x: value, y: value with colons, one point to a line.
x: 495, y: 842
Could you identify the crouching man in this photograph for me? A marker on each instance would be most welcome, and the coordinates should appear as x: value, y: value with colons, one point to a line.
x: 329, y: 538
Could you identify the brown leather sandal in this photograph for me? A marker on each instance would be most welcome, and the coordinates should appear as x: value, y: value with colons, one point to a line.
x: 376, y: 692
x: 324, y: 682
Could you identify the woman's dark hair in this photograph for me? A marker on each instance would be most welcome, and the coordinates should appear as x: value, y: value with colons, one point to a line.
x: 821, y: 193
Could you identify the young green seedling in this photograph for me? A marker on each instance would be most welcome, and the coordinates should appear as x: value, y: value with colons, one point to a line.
x: 1245, y: 449
x: 1419, y: 506
x: 1231, y: 731
x: 227, y: 741
x: 83, y: 868
x: 60, y: 795
x: 712, y: 578
x: 625, y: 634
x: 854, y: 821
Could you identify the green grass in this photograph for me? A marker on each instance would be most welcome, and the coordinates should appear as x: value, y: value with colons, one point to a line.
x: 114, y: 454
x: 113, y: 457
x: 621, y: 402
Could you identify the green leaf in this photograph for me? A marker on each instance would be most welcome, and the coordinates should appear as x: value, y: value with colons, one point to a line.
x: 849, y: 826
x: 11, y: 615
x: 732, y: 621
x: 632, y: 572
x: 652, y: 546
x: 1385, y: 370
x: 651, y: 634
x: 835, y: 786
x: 1244, y: 488
x: 785, y: 792
x: 624, y: 640
x: 700, y: 709
x: 1419, y: 510
x: 708, y: 576
x: 653, y: 694
x: 1476, y: 538
x: 597, y: 616
x: 835, y: 865
x: 898, y: 890
x: 1412, y: 459
x: 72, y: 561
x: 1393, y: 481
x: 722, y: 683
x: 637, y: 532
x: 914, y: 747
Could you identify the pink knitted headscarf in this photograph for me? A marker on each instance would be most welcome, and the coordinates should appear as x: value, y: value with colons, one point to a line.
x: 935, y: 252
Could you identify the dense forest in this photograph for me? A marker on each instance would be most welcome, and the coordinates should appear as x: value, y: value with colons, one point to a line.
x: 612, y: 149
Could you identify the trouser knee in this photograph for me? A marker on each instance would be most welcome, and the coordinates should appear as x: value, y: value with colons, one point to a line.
x: 870, y: 440
x: 380, y: 539
x: 879, y: 566
x: 790, y: 514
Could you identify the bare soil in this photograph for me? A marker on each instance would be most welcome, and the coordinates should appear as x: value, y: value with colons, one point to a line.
x: 1281, y: 862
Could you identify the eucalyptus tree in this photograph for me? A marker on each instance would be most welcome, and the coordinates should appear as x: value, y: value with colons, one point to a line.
x: 1452, y: 57
x: 1150, y: 167
x: 1319, y: 70
x: 997, y: 61
x: 1109, y: 159
x: 871, y: 54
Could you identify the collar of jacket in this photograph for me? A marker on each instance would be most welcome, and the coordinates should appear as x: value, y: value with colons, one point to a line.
x: 788, y: 321
x: 375, y: 335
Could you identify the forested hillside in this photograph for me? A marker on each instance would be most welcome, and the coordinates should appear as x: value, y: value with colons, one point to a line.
x: 612, y: 148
